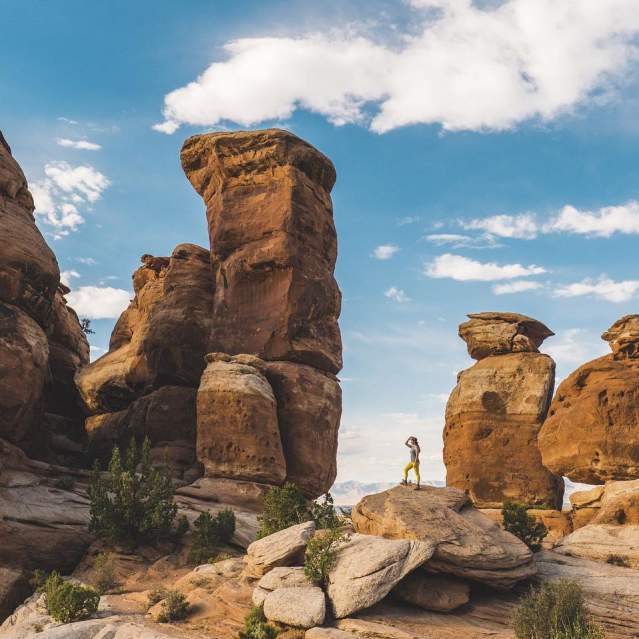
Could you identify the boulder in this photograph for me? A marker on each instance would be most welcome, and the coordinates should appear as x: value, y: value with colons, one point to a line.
x: 283, y: 548
x: 603, y: 542
x: 492, y: 333
x: 493, y: 418
x: 161, y: 339
x: 432, y: 592
x: 467, y: 544
x: 279, y: 578
x: 273, y: 244
x: 237, y: 427
x: 24, y: 357
x: 298, y: 606
x: 592, y: 428
x: 309, y: 407
x: 367, y: 568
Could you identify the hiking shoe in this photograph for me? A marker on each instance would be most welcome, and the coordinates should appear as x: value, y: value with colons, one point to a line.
x: 403, y: 483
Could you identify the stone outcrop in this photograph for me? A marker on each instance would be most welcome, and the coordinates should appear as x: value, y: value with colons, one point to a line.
x: 238, y: 434
x: 439, y: 593
x: 495, y: 412
x: 277, y: 578
x: 467, y: 544
x: 273, y: 245
x: 592, y: 428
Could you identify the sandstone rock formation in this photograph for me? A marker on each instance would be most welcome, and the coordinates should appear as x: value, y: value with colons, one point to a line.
x: 275, y: 295
x: 592, y: 428
x: 494, y: 414
x: 467, y: 543
x: 432, y: 592
x: 277, y: 578
x: 297, y: 606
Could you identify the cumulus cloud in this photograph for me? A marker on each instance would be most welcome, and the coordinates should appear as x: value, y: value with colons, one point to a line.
x: 603, y: 288
x: 522, y: 227
x: 397, y: 295
x: 63, y: 191
x: 464, y: 269
x: 67, y: 276
x: 95, y: 302
x: 603, y: 222
x: 81, y: 145
x: 519, y: 286
x: 385, y: 251
x: 465, y: 67
x: 456, y: 240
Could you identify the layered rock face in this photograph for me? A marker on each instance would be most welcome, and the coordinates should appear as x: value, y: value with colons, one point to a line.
x: 592, y: 428
x: 495, y: 412
x: 41, y: 342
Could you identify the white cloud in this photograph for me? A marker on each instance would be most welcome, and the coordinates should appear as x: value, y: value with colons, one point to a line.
x: 96, y: 302
x: 82, y: 145
x: 409, y: 219
x: 385, y: 251
x: 67, y: 120
x: 465, y: 67
x: 464, y: 269
x: 89, y: 261
x: 519, y: 286
x: 603, y: 222
x: 603, y: 288
x: 456, y: 240
x: 67, y: 276
x: 523, y: 227
x: 397, y: 295
x: 63, y: 189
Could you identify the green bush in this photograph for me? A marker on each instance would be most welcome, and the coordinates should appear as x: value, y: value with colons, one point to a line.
x: 155, y: 596
x: 554, y: 611
x: 68, y: 602
x: 618, y: 560
x: 132, y: 507
x: 104, y: 577
x: 323, y: 513
x: 255, y: 626
x: 321, y: 553
x: 209, y: 532
x: 175, y: 607
x: 518, y: 522
x: 284, y: 506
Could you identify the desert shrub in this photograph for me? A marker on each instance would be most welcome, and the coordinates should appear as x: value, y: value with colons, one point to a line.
x: 132, y: 507
x: 518, y: 522
x: 618, y: 560
x: 64, y: 483
x: 175, y: 607
x: 323, y: 513
x: 209, y: 532
x: 104, y: 577
x: 155, y: 596
x: 68, y: 602
x: 284, y: 506
x: 321, y: 552
x: 255, y: 626
x: 554, y: 611
x: 182, y: 526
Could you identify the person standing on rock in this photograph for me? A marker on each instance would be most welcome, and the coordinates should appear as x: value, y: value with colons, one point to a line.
x: 413, y: 444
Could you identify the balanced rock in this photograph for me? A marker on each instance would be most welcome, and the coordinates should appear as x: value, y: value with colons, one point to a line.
x: 237, y: 427
x: 297, y: 606
x: 438, y: 593
x: 467, y: 543
x: 495, y: 412
x: 309, y: 407
x: 367, y: 568
x: 161, y: 338
x: 273, y: 244
x: 493, y: 333
x: 592, y: 428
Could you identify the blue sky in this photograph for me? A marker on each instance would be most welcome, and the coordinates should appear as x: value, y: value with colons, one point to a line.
x: 489, y: 149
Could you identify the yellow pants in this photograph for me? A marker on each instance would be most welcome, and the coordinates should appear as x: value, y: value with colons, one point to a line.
x: 415, y: 467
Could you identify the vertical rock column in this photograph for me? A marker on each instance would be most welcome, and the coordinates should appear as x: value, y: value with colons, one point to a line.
x: 273, y: 251
x: 495, y: 412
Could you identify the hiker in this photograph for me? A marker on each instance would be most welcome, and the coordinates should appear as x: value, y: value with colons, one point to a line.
x: 413, y: 444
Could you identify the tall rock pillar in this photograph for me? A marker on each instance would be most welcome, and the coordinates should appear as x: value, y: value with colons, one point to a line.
x: 494, y: 414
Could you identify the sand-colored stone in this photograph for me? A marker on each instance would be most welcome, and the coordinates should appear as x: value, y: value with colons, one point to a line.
x: 439, y: 593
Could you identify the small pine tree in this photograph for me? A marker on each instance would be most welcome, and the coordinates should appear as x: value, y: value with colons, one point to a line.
x: 209, y: 532
x: 284, y: 506
x: 323, y: 513
x: 524, y: 526
x: 132, y: 507
x: 321, y: 554
x: 68, y: 602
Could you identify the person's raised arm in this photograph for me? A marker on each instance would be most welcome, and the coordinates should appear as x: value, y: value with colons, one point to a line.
x: 407, y: 442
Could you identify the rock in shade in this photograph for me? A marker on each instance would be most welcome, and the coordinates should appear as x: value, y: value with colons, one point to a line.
x: 467, y: 544
x: 367, y: 568
x: 237, y: 428
x: 592, y: 428
x: 273, y: 244
x: 161, y: 338
x: 309, y: 407
x: 493, y: 418
x: 438, y: 593
x: 493, y: 333
x: 283, y: 548
x: 300, y: 607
